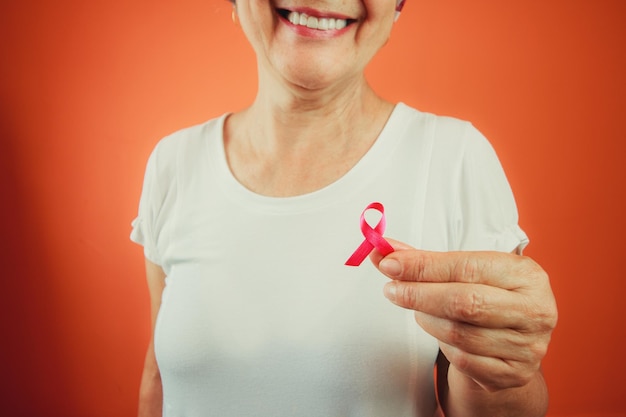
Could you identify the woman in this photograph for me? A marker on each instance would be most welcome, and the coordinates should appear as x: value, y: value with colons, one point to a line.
x: 247, y: 220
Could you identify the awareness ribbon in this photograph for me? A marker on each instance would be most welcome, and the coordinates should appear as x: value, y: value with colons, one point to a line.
x: 373, y: 237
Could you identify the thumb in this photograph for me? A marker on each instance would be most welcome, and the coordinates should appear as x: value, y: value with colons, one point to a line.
x: 390, y: 265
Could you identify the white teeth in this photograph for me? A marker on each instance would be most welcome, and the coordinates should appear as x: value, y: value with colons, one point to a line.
x: 322, y: 23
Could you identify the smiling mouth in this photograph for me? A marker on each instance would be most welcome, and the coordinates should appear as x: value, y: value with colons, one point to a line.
x: 312, y: 22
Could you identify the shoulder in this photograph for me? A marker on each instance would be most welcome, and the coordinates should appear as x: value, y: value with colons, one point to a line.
x: 189, y: 138
x: 443, y: 128
x: 467, y: 182
x: 175, y: 149
x: 446, y: 138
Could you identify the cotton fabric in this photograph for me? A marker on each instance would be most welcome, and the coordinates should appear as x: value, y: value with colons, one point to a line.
x: 259, y: 314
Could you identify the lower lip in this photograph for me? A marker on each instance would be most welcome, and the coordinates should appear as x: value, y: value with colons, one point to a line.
x: 314, y: 33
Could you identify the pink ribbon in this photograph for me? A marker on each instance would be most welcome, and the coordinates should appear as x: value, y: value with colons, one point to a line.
x: 373, y: 237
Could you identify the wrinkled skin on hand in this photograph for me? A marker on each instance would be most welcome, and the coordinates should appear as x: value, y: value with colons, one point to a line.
x: 493, y: 313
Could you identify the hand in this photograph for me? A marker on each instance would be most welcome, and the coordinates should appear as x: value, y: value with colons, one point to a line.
x: 493, y: 313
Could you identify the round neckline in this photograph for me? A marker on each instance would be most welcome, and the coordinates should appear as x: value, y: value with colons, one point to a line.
x: 352, y: 181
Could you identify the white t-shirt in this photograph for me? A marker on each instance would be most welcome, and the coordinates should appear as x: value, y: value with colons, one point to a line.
x: 259, y: 315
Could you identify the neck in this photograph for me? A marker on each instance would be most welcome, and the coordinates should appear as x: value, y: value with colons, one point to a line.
x: 292, y: 140
x: 285, y: 117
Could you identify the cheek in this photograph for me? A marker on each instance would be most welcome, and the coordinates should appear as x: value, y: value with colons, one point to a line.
x: 380, y: 7
x: 257, y: 25
x: 373, y: 36
x: 379, y: 22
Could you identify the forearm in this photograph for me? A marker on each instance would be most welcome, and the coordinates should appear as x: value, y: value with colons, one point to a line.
x: 151, y: 390
x: 464, y: 398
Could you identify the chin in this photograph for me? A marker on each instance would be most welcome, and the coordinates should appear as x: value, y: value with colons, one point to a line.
x: 314, y: 75
x: 311, y: 83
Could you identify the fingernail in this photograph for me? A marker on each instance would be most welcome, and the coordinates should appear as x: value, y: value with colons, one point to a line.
x: 390, y: 291
x: 390, y: 267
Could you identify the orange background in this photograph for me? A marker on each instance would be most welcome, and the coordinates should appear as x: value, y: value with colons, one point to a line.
x: 88, y: 87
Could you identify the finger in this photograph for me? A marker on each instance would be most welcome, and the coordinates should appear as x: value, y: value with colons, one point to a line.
x: 376, y: 256
x: 504, y: 344
x: 476, y: 304
x: 498, y: 269
x: 491, y: 373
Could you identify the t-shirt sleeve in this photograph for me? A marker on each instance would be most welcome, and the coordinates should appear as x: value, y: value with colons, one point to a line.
x: 144, y: 225
x: 487, y: 213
